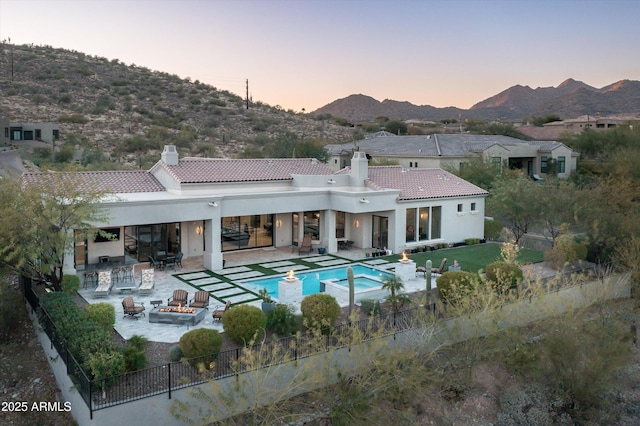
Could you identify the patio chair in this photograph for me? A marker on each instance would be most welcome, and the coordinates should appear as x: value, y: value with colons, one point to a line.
x: 155, y: 263
x: 200, y: 300
x: 305, y: 247
x: 147, y: 281
x: 440, y: 269
x: 179, y: 298
x: 218, y: 313
x: 104, y: 284
x: 131, y: 308
x: 179, y: 257
x: 90, y: 278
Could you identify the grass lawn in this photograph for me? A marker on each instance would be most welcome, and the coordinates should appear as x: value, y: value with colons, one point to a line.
x: 471, y: 258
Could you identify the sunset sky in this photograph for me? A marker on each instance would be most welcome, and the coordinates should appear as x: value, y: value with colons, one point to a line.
x: 307, y: 53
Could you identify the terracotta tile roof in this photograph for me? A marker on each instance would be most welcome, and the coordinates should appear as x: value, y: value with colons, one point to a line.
x: 117, y: 182
x: 218, y: 170
x: 417, y: 184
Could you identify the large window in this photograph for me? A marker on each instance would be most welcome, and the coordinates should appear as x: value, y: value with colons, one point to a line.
x: 543, y: 164
x: 244, y: 232
x: 310, y: 222
x: 424, y: 220
x: 561, y: 164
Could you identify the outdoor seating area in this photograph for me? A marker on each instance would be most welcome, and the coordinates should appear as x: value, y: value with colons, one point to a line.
x: 155, y: 288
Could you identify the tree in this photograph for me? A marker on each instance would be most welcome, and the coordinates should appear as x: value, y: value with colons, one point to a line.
x: 396, y: 127
x: 511, y: 201
x: 557, y: 206
x: 396, y: 297
x: 39, y: 214
x: 477, y: 170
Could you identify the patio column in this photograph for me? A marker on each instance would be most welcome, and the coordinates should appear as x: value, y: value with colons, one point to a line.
x: 68, y: 267
x: 329, y: 231
x: 212, y: 258
x: 300, y: 228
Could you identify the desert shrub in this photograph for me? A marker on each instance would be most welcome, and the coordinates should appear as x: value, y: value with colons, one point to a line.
x: 572, y: 249
x: 175, y: 353
x: 492, y: 229
x: 103, y: 314
x: 504, y: 276
x: 242, y: 322
x: 319, y: 310
x: 555, y: 258
x: 370, y: 306
x: 282, y: 320
x: 453, y: 285
x: 70, y: 284
x: 134, y: 354
x: 203, y: 344
x: 73, y: 118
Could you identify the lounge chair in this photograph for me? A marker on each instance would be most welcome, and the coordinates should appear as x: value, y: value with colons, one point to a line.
x: 131, y: 308
x: 440, y: 269
x: 179, y: 298
x: 104, y: 284
x: 218, y: 313
x: 305, y: 247
x: 200, y: 300
x: 147, y: 281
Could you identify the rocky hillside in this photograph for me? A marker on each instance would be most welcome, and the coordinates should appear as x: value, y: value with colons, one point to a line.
x: 570, y: 99
x: 125, y: 110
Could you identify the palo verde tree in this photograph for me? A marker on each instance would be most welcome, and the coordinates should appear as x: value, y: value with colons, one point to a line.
x: 39, y: 214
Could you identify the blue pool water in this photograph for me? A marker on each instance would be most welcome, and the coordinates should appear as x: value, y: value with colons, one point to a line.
x: 311, y: 279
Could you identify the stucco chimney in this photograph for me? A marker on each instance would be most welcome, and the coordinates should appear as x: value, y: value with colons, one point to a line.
x: 359, y: 168
x: 170, y: 155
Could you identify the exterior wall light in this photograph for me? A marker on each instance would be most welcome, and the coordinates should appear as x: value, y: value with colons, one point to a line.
x: 364, y: 201
x: 213, y: 204
x: 199, y: 230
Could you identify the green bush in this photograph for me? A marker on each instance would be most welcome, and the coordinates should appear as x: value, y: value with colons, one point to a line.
x: 242, y: 322
x: 320, y: 310
x: 103, y: 314
x: 282, y: 321
x: 84, y: 337
x: 73, y: 118
x: 134, y: 354
x: 175, y: 353
x: 492, y: 229
x: 504, y: 276
x: 370, y: 306
x: 555, y: 258
x: 70, y: 284
x: 453, y: 285
x: 472, y: 241
x: 201, y: 343
x: 104, y: 365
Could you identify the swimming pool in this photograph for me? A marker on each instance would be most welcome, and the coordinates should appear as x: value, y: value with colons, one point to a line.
x: 366, y: 278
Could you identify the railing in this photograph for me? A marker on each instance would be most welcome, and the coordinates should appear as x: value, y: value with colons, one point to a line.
x: 172, y: 376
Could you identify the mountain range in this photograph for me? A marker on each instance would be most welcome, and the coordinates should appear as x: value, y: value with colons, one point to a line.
x: 569, y: 99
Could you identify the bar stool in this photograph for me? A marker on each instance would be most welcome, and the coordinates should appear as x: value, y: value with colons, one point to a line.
x: 127, y: 273
x: 90, y: 277
x: 115, y: 274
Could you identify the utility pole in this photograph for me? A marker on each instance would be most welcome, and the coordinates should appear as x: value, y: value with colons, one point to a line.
x: 247, y: 93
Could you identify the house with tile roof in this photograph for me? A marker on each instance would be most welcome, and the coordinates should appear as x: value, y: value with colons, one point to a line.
x: 210, y: 206
x: 453, y: 150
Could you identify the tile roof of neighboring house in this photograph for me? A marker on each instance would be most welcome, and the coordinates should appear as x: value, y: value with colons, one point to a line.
x: 219, y: 170
x: 118, y: 182
x: 437, y: 145
x: 422, y: 183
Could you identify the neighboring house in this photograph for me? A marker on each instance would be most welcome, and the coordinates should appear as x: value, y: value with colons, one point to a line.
x: 45, y: 132
x: 209, y: 206
x: 453, y: 150
x: 595, y: 122
x: 4, y: 131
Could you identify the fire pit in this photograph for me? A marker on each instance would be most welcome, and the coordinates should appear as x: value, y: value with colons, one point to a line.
x: 177, y: 315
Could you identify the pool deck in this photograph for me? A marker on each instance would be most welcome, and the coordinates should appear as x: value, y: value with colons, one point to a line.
x: 167, y: 282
